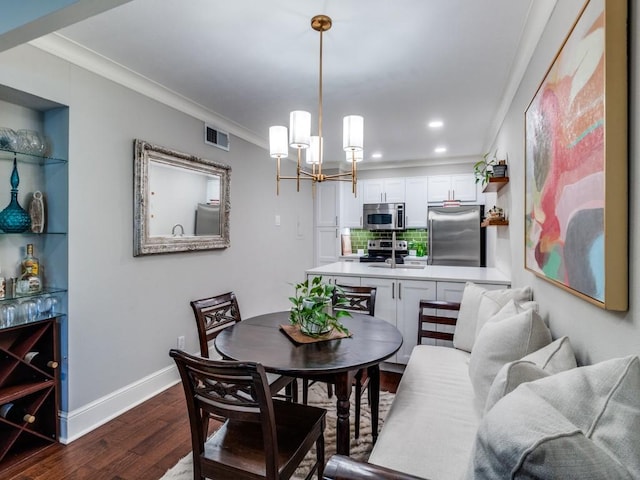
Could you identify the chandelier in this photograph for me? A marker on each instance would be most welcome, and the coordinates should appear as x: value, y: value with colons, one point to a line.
x: 300, y: 138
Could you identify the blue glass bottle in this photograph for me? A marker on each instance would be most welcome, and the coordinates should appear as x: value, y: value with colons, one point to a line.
x: 14, y: 218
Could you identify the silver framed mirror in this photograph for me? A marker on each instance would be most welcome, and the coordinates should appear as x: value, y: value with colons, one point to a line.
x: 181, y: 202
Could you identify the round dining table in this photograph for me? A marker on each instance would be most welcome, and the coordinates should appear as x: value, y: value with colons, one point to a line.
x: 261, y: 339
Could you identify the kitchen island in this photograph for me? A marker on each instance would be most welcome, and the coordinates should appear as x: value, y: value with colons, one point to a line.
x: 399, y: 291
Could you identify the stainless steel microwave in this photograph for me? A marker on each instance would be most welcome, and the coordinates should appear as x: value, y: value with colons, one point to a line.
x: 383, y: 216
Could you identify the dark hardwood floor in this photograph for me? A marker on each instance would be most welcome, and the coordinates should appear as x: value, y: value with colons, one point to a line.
x: 141, y: 444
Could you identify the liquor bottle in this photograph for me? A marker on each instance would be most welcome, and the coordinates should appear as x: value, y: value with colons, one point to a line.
x: 39, y: 361
x: 29, y: 280
x: 15, y: 414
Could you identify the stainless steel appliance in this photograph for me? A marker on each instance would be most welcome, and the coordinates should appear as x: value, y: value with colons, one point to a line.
x: 383, y: 216
x: 455, y: 236
x: 381, y: 251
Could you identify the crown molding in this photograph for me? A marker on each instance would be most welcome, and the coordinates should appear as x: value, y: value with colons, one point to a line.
x: 73, y: 52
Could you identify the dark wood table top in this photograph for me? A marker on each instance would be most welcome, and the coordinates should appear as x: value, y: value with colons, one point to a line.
x: 259, y: 339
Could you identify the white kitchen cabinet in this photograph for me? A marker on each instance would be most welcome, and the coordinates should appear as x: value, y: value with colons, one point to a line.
x: 397, y: 303
x: 327, y: 245
x: 350, y: 206
x: 383, y: 190
x: 326, y: 204
x: 416, y: 202
x: 460, y: 186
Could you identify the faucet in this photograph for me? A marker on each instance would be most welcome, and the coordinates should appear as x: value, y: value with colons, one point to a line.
x: 173, y: 230
x: 393, y: 249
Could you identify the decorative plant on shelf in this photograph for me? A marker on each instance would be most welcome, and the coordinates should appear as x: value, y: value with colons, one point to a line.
x: 312, y: 308
x: 489, y: 167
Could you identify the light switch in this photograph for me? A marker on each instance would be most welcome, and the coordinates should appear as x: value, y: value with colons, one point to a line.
x: 277, y: 220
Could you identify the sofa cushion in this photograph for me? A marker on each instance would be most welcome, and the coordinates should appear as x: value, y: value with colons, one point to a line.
x: 430, y: 428
x: 509, y: 377
x: 503, y: 340
x: 556, y: 357
x: 465, y: 333
x: 492, y: 302
x: 581, y: 423
x: 477, y: 306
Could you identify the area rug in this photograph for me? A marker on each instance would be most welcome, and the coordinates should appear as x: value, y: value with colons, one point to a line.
x: 360, y: 447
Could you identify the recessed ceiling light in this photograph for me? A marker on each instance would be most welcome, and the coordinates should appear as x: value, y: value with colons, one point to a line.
x: 440, y: 149
x: 376, y: 155
x: 436, y: 124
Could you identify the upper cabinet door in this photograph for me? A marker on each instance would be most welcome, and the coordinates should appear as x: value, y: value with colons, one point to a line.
x: 350, y: 206
x: 416, y: 202
x: 463, y: 187
x: 384, y: 190
x: 438, y: 188
x: 394, y: 190
x: 373, y: 191
x: 460, y: 186
x: 326, y: 203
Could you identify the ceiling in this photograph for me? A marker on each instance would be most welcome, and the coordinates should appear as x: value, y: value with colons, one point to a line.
x: 400, y: 64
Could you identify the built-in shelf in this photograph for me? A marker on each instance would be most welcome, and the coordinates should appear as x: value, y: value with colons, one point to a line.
x: 495, y: 184
x: 494, y: 223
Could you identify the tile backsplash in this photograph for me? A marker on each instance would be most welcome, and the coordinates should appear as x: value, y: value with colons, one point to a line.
x: 360, y: 237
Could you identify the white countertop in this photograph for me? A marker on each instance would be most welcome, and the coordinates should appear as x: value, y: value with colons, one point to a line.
x: 429, y: 272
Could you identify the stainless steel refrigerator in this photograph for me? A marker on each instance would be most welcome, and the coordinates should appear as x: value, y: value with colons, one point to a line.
x: 455, y: 236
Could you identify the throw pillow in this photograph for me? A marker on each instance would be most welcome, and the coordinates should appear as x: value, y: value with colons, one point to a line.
x: 509, y: 377
x: 556, y: 357
x: 583, y: 423
x: 501, y: 342
x: 465, y: 332
x: 493, y: 300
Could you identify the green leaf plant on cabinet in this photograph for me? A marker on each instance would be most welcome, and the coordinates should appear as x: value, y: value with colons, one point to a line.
x: 34, y: 135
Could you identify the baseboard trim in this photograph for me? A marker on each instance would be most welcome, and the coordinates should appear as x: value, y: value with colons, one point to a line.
x: 83, y: 420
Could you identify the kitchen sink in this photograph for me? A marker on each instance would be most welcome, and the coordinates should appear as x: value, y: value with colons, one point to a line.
x: 402, y: 266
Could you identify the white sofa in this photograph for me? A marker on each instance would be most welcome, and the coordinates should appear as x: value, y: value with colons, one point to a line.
x: 459, y: 414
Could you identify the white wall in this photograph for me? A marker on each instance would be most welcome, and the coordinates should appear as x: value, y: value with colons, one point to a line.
x: 596, y: 334
x: 125, y: 313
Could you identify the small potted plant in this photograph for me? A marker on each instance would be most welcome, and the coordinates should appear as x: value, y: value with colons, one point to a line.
x: 312, y: 308
x: 489, y: 167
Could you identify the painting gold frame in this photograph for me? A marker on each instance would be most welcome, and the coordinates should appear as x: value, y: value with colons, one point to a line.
x: 576, y: 160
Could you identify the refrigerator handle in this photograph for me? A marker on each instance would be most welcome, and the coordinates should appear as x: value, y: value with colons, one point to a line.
x: 430, y: 241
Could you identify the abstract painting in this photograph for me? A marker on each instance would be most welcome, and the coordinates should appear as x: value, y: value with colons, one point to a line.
x: 576, y: 162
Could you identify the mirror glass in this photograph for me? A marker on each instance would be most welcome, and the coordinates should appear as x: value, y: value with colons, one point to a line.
x: 181, y: 201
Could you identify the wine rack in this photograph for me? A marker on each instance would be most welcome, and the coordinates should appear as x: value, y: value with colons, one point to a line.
x: 32, y: 389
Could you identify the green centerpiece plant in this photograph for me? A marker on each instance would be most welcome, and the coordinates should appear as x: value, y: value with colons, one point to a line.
x: 313, y: 310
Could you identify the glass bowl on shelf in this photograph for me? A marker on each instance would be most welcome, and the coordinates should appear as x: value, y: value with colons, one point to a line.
x: 31, y: 142
x: 8, y: 139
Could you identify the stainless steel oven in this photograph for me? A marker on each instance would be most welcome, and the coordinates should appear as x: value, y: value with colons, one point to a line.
x: 383, y: 216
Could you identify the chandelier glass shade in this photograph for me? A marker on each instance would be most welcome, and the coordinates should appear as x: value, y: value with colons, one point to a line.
x: 299, y: 137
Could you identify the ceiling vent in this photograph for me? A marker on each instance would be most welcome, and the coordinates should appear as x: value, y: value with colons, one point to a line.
x: 215, y: 137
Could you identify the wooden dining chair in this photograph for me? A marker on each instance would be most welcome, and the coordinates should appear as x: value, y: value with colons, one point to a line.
x: 261, y: 437
x: 214, y: 314
x: 358, y: 300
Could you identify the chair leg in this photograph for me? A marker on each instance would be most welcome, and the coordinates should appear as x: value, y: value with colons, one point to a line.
x: 320, y: 456
x: 305, y: 391
x: 358, y: 379
x: 329, y: 390
x: 294, y: 391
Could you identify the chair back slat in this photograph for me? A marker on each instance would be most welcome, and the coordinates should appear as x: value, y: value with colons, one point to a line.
x: 355, y: 299
x: 214, y: 314
x: 425, y: 320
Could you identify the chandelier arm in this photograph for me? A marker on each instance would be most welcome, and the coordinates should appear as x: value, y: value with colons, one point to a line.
x: 354, y: 176
x: 338, y: 176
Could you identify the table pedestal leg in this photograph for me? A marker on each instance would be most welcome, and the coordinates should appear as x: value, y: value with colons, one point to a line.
x: 343, y: 392
x: 374, y: 394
